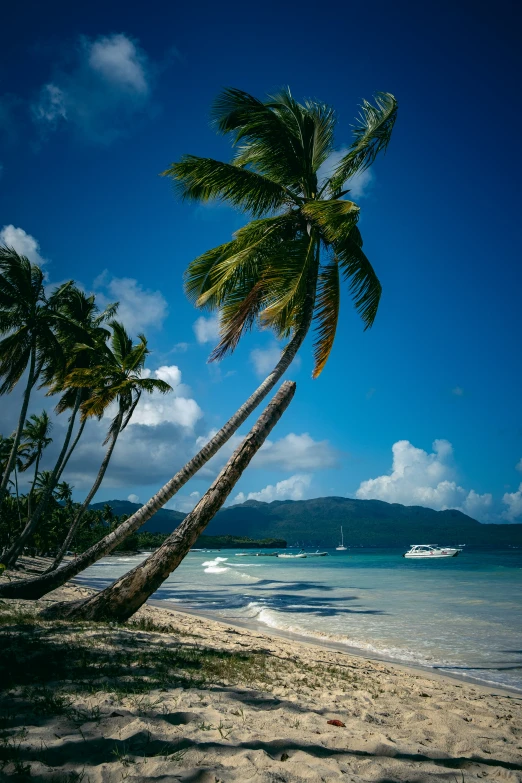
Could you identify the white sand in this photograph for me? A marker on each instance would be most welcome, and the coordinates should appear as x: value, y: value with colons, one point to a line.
x: 271, y: 725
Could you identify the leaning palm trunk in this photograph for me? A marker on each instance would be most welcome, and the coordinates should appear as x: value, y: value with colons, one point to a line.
x: 119, y: 601
x: 36, y: 588
x: 31, y: 380
x: 85, y: 505
x: 73, y: 446
x: 14, y: 553
x: 31, y: 491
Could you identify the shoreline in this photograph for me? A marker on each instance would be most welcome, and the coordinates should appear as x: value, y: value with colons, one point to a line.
x: 173, y: 695
x: 339, y: 647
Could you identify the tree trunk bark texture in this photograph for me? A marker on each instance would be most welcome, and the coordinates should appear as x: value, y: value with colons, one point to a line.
x: 122, y: 599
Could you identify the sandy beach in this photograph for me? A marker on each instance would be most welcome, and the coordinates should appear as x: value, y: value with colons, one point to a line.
x: 174, y: 696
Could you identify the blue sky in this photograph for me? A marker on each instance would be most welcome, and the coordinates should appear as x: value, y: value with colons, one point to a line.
x: 97, y: 99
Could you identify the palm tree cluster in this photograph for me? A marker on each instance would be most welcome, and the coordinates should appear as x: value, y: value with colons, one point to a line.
x: 63, y: 343
x: 284, y: 270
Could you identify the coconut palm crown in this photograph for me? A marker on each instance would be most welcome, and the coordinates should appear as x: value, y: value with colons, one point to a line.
x: 282, y: 270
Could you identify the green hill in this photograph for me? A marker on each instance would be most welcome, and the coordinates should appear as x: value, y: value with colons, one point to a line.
x: 318, y: 521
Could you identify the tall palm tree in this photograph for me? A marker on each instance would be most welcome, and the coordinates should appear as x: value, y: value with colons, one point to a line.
x: 115, y: 380
x: 283, y: 269
x: 120, y: 600
x: 35, y: 438
x: 27, y: 320
x: 80, y: 332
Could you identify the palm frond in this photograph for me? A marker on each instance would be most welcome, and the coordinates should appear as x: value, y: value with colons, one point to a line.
x: 206, y: 179
x: 372, y: 135
x: 326, y: 314
x: 364, y: 284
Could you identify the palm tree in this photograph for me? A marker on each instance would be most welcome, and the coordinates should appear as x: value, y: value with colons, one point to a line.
x: 81, y: 331
x: 27, y: 321
x: 35, y: 438
x: 119, y: 601
x: 63, y: 493
x: 115, y: 379
x: 282, y: 270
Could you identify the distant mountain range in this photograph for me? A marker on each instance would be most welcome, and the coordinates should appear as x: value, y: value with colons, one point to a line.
x: 318, y: 522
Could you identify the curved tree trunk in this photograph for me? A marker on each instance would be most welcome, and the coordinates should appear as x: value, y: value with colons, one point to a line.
x: 94, y: 489
x: 21, y: 421
x: 14, y: 553
x: 74, y: 444
x: 119, y: 601
x: 31, y: 491
x: 36, y: 588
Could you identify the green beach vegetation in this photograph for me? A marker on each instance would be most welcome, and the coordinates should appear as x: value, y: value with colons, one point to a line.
x: 284, y: 270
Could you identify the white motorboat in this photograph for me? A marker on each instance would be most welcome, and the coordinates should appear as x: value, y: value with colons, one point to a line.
x: 300, y: 554
x: 316, y: 554
x: 341, y: 547
x: 431, y: 552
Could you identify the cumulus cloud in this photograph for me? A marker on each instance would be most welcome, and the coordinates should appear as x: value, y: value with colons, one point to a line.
x: 360, y: 185
x: 133, y: 498
x: 296, y: 452
x: 513, y: 501
x: 118, y: 60
x: 106, y: 85
x: 23, y: 243
x: 206, y: 329
x: 422, y: 479
x: 265, y: 359
x: 293, y: 488
x: 185, y: 503
x: 175, y: 407
x: 140, y: 308
x: 518, y: 466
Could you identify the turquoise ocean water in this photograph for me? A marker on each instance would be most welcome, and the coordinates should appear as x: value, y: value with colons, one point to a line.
x: 460, y: 616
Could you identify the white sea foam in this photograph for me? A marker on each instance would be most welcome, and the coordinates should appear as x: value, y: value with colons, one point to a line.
x: 213, y: 567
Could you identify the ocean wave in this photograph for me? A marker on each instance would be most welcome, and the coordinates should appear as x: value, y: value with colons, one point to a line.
x: 213, y: 567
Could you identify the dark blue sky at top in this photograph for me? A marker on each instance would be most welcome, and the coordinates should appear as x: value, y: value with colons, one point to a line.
x: 440, y: 221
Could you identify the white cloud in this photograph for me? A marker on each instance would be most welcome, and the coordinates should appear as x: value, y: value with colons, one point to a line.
x: 360, y: 185
x: 458, y: 391
x: 518, y: 466
x: 184, y: 503
x: 52, y: 105
x: 293, y: 488
x: 175, y: 407
x: 23, y: 243
x: 265, y: 359
x: 419, y: 478
x: 119, y: 61
x: 101, y: 94
x: 133, y: 498
x: 140, y: 308
x: 296, y: 452
x: 206, y: 329
x: 513, y: 501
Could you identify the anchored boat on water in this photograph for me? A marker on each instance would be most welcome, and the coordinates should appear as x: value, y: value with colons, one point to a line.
x: 431, y: 552
x: 341, y: 547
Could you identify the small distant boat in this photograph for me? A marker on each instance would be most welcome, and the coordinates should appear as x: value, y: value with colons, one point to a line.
x: 245, y: 554
x: 299, y: 554
x: 267, y: 554
x: 427, y: 551
x: 341, y: 547
x: 316, y: 554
